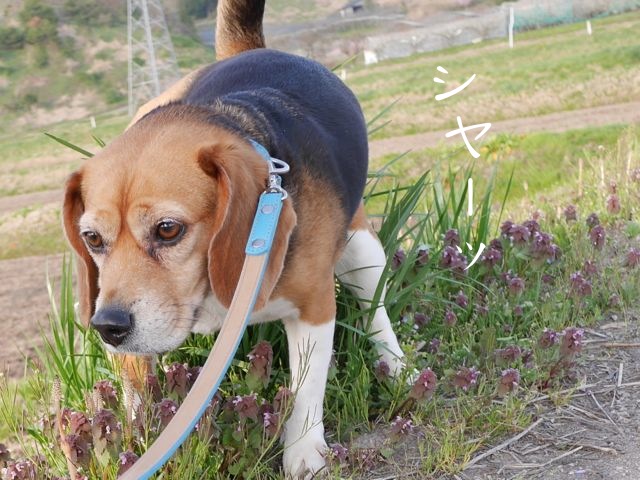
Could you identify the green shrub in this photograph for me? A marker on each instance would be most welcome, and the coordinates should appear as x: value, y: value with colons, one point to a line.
x: 11, y: 38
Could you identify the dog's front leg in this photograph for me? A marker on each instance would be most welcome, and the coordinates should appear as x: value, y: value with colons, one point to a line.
x: 310, y: 348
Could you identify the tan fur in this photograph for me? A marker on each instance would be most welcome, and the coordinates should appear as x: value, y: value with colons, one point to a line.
x: 308, y: 281
x: 238, y: 27
x: 360, y: 221
x: 135, y: 368
x: 172, y: 94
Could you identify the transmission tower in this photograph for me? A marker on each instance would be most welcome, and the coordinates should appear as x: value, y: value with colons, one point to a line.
x: 152, y: 59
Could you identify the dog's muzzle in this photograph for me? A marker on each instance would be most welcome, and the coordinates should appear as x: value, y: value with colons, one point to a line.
x: 113, y: 324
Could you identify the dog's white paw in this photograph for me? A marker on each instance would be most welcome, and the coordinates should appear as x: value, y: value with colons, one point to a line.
x: 305, y: 457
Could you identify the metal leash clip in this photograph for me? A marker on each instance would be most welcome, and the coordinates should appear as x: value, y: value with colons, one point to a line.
x: 276, y: 167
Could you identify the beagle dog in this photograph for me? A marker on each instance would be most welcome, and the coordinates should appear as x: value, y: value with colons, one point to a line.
x: 159, y: 218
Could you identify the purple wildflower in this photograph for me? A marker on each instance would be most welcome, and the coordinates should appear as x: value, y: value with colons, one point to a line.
x: 592, y: 220
x: 23, y: 470
x: 532, y: 225
x: 614, y: 300
x: 337, y: 454
x: 246, y: 406
x: 420, y: 320
x: 452, y: 238
x: 548, y: 338
x: 590, y: 268
x: 635, y: 175
x: 505, y: 228
x: 515, y: 285
x: 613, y: 204
x: 271, y: 423
x: 401, y: 427
x: 165, y: 410
x: 152, y: 387
x: 453, y: 260
x: 509, y: 380
x: 465, y: 378
x: 260, y: 360
x: 571, y: 341
x: 580, y: 286
x: 424, y: 386
x: 519, y: 234
x: 127, y: 459
x: 450, y: 318
x: 283, y: 399
x: 5, y: 454
x: 434, y: 345
x: 398, y: 259
x: 509, y: 354
x: 633, y: 258
x: 462, y: 300
x: 518, y: 311
x: 422, y: 257
x: 77, y: 449
x: 570, y: 213
x: 178, y: 379
x: 382, y: 370
x: 107, y: 393
x: 491, y: 257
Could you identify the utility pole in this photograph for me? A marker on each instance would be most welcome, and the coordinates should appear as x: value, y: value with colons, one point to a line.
x: 152, y: 59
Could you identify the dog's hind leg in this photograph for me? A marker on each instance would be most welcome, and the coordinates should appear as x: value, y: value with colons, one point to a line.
x: 360, y: 268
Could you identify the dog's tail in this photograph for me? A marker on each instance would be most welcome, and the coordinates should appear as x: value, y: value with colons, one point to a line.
x: 239, y: 27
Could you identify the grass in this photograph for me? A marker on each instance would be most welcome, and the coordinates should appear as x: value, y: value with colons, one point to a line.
x: 550, y: 70
x: 483, y: 323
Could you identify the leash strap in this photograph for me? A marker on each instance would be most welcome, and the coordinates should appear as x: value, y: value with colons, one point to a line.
x: 220, y: 357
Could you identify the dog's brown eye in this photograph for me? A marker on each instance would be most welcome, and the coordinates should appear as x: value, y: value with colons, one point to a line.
x: 93, y: 239
x: 169, y: 230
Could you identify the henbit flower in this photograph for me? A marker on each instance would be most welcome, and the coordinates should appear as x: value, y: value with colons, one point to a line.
x: 509, y: 380
x: 260, y: 360
x: 462, y: 300
x: 613, y: 186
x: 548, y: 338
x: 496, y: 244
x: 79, y: 425
x: 434, y: 345
x: 482, y: 309
x: 509, y: 354
x: 420, y: 320
x: 571, y: 341
x: 634, y: 175
x: 178, y: 379
x: 491, y: 257
x: 424, y: 386
x: 570, y: 213
x: 590, y: 268
x: 105, y: 426
x: 548, y: 279
x: 382, y: 370
x: 452, y: 238
x: 127, y: 459
x: 246, y: 406
x: 165, y: 410
x: 580, y: 286
x: 613, y: 204
x: 107, y: 393
x: 453, y: 260
x: 76, y: 449
x: 23, y: 470
x: 283, y: 399
x: 5, y: 454
x: 592, y: 220
x: 271, y: 423
x: 519, y: 234
x: 465, y: 378
x: 337, y: 453
x: 614, y: 300
x: 505, y: 228
x: 633, y: 258
x: 515, y: 285
x: 398, y: 259
x: 532, y: 225
x: 450, y: 318
x: 422, y: 257
x: 518, y: 311
x: 152, y: 387
x: 401, y: 427
x: 542, y: 246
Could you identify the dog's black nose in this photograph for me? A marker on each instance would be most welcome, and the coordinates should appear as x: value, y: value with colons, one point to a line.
x: 113, y: 324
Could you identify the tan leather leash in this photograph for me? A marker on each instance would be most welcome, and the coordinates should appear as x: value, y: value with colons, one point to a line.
x: 257, y: 256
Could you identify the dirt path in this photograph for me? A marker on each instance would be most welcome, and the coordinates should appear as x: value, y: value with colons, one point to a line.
x: 622, y: 113
x: 24, y: 305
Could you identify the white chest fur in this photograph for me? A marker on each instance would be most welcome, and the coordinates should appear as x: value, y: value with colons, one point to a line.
x: 213, y: 314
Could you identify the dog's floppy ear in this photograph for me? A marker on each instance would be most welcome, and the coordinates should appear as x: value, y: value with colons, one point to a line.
x: 240, y: 174
x: 87, y: 270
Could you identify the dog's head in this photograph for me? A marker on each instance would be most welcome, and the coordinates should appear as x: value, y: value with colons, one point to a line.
x: 159, y: 220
